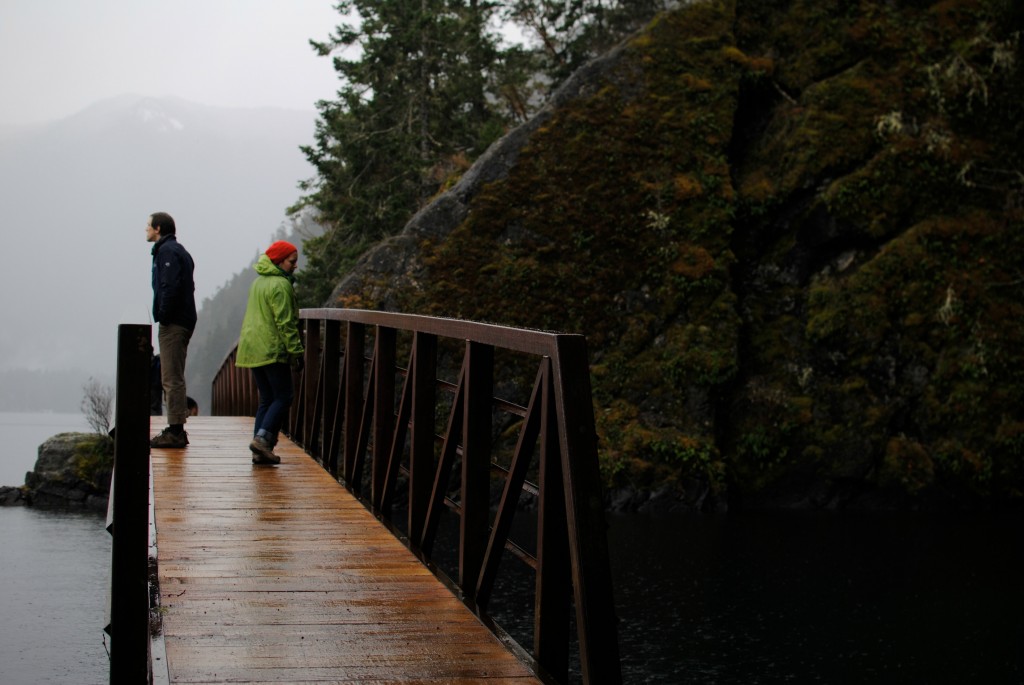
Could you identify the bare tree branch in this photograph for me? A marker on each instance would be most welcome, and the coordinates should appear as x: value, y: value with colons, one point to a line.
x: 98, y: 405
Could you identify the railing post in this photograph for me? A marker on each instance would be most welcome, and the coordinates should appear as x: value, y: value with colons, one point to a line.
x: 310, y: 382
x: 355, y: 349
x: 129, y: 608
x: 476, y: 463
x: 584, y: 515
x: 384, y: 410
x: 331, y: 376
x: 553, y: 583
x: 294, y: 422
x: 421, y: 444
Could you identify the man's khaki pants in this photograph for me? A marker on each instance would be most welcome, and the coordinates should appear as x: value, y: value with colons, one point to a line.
x: 173, y: 348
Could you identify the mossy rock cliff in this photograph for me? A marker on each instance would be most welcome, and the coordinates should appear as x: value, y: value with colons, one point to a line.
x: 793, y: 234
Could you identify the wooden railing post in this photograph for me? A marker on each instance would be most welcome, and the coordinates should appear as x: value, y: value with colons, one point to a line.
x: 129, y: 595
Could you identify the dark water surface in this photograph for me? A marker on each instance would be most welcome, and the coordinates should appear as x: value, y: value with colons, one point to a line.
x: 54, y: 567
x: 820, y: 597
x: 802, y: 597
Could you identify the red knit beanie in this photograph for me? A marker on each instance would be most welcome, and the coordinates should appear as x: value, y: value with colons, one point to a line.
x: 280, y: 250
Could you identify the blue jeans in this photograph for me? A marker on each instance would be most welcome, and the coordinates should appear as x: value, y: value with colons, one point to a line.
x: 274, y: 383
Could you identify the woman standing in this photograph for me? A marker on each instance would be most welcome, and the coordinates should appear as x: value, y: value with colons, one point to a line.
x: 270, y: 345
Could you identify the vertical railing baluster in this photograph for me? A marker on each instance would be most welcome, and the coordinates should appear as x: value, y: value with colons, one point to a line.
x: 445, y: 465
x: 383, y: 410
x: 421, y: 442
x: 476, y: 463
x: 310, y: 374
x: 398, y: 442
x: 331, y: 382
x: 355, y: 350
x: 529, y: 432
x: 294, y: 422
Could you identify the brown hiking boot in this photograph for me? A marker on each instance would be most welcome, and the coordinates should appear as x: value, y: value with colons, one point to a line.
x: 263, y: 451
x: 166, y: 438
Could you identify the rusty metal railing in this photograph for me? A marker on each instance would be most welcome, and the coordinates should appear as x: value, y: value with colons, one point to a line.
x: 234, y: 390
x: 433, y: 436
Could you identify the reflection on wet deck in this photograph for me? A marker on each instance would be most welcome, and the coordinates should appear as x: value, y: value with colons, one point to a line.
x: 274, y: 574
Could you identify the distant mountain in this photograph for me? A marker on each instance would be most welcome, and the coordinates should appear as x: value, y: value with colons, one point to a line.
x: 76, y: 194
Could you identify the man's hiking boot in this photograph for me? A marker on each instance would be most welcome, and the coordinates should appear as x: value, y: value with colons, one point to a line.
x: 168, y: 438
x: 263, y: 451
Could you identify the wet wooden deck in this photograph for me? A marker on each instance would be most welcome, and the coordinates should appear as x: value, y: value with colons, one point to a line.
x: 278, y: 575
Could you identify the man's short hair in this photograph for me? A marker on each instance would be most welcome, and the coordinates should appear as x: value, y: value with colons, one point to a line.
x: 162, y: 221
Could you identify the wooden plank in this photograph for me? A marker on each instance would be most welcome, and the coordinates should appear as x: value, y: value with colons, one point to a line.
x: 276, y: 574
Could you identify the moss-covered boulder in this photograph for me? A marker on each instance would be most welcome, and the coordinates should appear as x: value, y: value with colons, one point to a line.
x: 72, y: 470
x: 791, y: 232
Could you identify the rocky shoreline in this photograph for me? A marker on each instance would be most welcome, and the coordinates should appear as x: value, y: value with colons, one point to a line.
x: 72, y: 471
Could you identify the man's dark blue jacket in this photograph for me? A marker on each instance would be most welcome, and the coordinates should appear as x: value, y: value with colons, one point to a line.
x: 174, y: 300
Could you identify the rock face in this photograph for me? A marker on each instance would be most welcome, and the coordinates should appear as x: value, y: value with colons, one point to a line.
x: 793, y: 234
x: 72, y: 470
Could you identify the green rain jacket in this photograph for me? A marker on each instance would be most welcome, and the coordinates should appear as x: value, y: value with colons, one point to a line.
x: 270, y: 328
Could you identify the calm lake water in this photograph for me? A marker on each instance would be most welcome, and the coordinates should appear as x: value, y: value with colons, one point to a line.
x: 836, y: 597
x: 55, y: 567
x: 55, y: 570
x: 705, y: 599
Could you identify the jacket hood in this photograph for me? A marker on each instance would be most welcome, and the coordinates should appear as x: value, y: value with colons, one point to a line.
x: 265, y: 267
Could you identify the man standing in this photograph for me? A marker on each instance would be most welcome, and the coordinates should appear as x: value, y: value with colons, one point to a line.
x: 174, y: 308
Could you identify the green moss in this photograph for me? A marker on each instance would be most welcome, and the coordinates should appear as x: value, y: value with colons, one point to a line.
x: 826, y: 287
x: 625, y: 221
x: 94, y: 458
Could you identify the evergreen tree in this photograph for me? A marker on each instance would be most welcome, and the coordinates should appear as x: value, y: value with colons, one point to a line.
x: 425, y: 89
x: 415, y: 104
x: 567, y: 33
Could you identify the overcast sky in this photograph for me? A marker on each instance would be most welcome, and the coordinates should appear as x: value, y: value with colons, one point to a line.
x: 57, y: 57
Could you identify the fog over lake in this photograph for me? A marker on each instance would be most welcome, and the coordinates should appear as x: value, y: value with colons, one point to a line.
x: 77, y: 195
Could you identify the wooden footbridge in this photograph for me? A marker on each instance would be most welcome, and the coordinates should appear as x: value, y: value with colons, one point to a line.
x: 431, y: 464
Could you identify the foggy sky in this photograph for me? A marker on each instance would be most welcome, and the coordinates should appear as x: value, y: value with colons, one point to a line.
x: 76, y: 214
x: 59, y: 56
x: 75, y: 197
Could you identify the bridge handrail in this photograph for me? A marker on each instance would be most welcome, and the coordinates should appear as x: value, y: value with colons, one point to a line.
x: 347, y: 409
